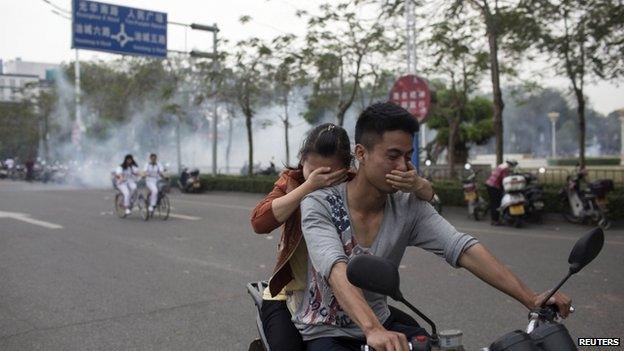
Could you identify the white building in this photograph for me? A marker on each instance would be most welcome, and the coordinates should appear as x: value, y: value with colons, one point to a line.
x: 21, y: 80
x: 16, y: 87
x: 41, y: 69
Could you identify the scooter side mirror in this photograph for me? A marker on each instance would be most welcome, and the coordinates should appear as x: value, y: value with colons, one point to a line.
x: 585, y: 250
x: 374, y: 274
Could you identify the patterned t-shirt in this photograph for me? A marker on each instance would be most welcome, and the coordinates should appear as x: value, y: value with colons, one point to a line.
x: 326, y: 223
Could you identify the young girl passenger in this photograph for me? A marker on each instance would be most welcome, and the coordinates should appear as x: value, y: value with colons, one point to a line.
x: 324, y: 160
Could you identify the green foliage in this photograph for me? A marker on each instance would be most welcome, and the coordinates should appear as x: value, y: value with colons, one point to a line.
x: 337, y: 57
x: 582, y: 40
x: 256, y: 184
x: 450, y: 192
x: 19, y: 134
x: 475, y: 123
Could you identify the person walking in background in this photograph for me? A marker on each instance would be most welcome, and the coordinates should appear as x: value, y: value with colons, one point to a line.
x: 494, y: 185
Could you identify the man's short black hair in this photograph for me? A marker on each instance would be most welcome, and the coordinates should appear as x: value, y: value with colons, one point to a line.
x: 382, y: 117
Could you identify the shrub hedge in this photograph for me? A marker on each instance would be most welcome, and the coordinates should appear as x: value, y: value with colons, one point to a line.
x: 589, y: 161
x: 450, y: 193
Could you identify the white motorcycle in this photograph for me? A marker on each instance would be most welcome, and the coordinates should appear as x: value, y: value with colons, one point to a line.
x: 512, y: 208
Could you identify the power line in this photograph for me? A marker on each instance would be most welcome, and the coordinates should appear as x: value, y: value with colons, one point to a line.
x: 60, y: 14
x: 59, y: 8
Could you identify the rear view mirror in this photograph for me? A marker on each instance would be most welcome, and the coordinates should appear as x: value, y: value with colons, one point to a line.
x: 375, y: 274
x: 585, y: 250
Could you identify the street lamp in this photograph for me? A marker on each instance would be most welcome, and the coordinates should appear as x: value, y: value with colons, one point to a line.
x: 553, y: 116
x: 215, y: 66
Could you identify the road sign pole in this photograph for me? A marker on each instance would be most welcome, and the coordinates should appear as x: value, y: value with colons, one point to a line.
x: 415, y: 155
x: 78, y: 122
x: 215, y: 120
x: 411, y: 58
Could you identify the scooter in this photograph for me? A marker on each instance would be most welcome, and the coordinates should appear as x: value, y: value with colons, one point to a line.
x: 512, y: 208
x: 543, y: 332
x: 189, y: 181
x: 477, y: 206
x: 534, y: 194
x: 379, y: 275
x: 588, y: 205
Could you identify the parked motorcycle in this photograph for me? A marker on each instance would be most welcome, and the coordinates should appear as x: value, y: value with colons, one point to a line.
x: 586, y: 205
x: 269, y: 171
x: 477, y: 206
x: 534, y: 194
x: 543, y: 332
x: 189, y: 181
x: 435, y: 202
x: 512, y: 208
x: 4, y: 170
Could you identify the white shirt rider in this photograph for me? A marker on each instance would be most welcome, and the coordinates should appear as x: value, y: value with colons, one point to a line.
x: 128, y: 174
x: 154, y: 171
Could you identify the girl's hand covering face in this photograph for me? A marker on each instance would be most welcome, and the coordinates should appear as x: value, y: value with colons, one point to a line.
x: 323, y: 177
x: 408, y: 182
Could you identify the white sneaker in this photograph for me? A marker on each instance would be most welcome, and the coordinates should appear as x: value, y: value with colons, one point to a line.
x: 128, y: 211
x: 151, y: 208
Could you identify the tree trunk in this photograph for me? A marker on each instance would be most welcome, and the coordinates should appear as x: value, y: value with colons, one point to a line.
x: 497, y: 96
x: 178, y: 145
x: 286, y: 125
x: 228, y: 148
x: 248, y: 117
x: 580, y: 110
x: 453, y: 126
x: 344, y: 105
x: 46, y: 131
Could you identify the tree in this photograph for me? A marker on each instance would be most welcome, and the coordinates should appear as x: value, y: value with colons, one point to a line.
x: 19, y: 134
x: 337, y: 56
x: 461, y: 60
x: 250, y: 67
x: 474, y: 126
x: 286, y: 76
x: 46, y: 103
x: 583, y: 40
x: 499, y: 20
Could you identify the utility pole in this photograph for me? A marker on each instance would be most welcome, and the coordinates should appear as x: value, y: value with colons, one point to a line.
x: 412, y: 62
x: 78, y: 125
x: 215, y: 66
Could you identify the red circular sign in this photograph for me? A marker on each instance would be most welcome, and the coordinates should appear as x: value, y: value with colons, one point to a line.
x: 412, y: 93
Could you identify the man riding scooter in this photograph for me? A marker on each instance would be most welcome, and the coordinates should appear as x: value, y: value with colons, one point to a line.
x: 368, y: 215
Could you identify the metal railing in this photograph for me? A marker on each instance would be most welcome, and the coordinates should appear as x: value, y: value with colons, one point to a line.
x: 553, y: 176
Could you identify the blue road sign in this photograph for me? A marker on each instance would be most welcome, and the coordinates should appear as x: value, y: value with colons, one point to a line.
x: 118, y: 29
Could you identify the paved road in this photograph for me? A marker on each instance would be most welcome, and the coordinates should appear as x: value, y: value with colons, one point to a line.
x: 75, y: 277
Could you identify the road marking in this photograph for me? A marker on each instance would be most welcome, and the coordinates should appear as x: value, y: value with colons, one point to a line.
x: 236, y: 207
x: 523, y: 233
x: 190, y: 218
x: 25, y: 217
x: 173, y: 215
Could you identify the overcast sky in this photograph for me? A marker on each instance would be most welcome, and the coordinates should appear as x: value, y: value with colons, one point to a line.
x: 30, y: 30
